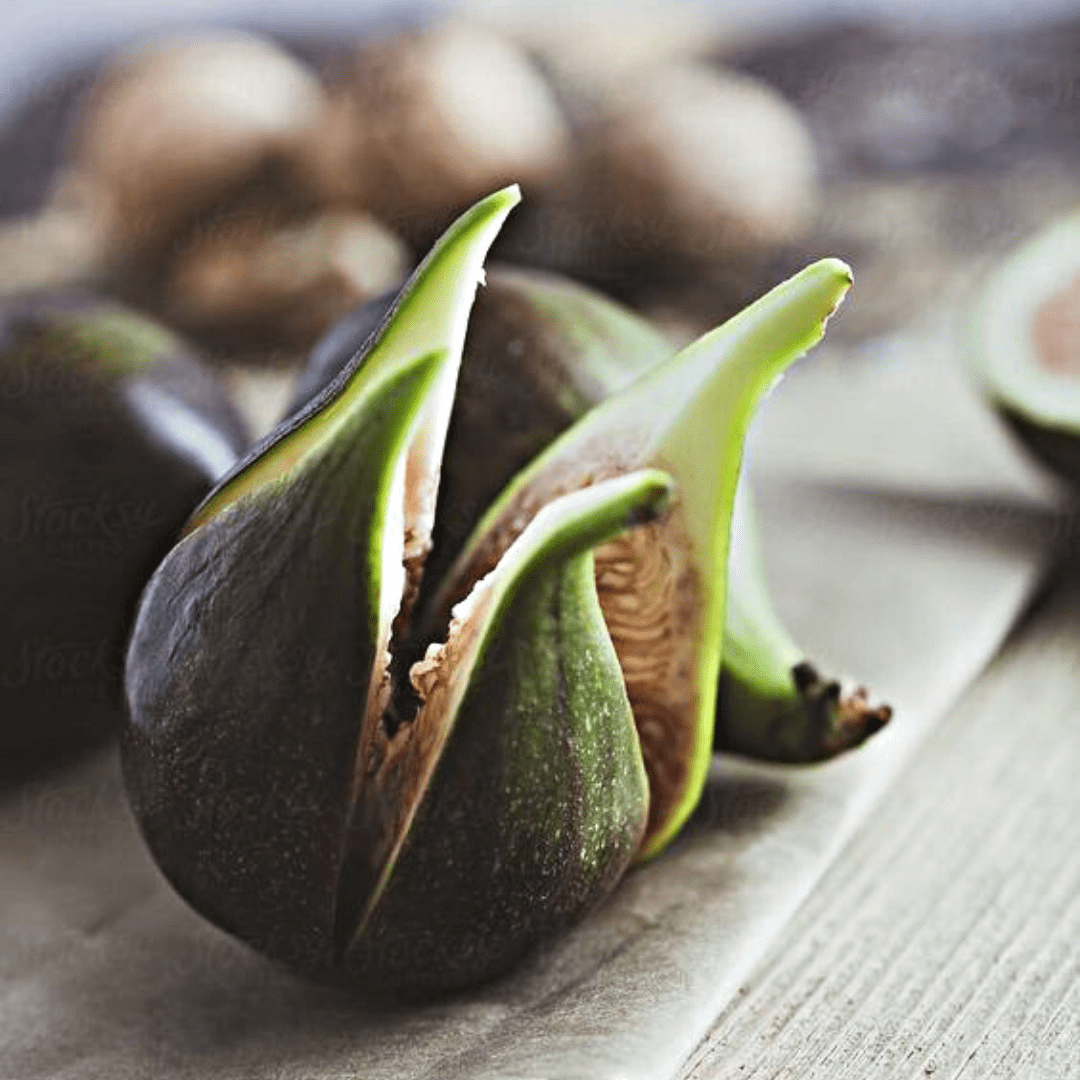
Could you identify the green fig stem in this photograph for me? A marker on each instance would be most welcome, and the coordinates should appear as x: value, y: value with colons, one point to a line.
x: 772, y: 704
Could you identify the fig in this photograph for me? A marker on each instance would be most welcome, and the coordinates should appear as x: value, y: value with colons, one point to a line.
x: 1026, y: 344
x: 173, y: 126
x: 406, y: 795
x: 684, y: 171
x: 730, y: 165
x: 422, y: 123
x: 541, y: 350
x: 280, y: 287
x: 111, y: 431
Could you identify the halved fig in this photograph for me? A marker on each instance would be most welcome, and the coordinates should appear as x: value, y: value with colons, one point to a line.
x: 1026, y: 344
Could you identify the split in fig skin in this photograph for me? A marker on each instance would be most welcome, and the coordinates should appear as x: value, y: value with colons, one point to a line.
x: 110, y: 433
x: 540, y: 352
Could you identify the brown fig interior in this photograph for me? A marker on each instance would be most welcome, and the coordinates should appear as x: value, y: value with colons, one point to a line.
x: 648, y: 593
x: 1057, y: 331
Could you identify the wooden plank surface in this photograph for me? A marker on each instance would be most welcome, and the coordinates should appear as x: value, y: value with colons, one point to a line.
x: 945, y: 940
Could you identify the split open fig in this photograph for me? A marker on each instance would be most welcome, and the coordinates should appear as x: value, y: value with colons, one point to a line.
x: 111, y: 432
x: 1025, y: 338
x: 406, y: 791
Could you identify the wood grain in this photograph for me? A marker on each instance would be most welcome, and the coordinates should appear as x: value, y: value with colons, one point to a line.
x: 945, y: 940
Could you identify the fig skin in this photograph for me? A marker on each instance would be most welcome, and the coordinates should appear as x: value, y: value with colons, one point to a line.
x: 171, y: 128
x: 110, y: 433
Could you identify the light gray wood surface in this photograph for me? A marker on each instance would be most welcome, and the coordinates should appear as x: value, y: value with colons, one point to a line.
x: 945, y: 940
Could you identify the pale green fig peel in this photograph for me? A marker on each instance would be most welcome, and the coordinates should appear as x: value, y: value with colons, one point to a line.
x: 662, y: 588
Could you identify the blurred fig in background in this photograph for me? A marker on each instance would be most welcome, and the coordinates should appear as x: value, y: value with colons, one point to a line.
x: 684, y: 165
x: 1025, y: 339
x: 60, y: 246
x: 172, y: 127
x: 700, y: 164
x: 253, y: 285
x: 423, y: 123
x: 110, y: 434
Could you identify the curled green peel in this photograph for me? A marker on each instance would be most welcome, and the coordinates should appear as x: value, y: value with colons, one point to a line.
x: 689, y: 417
x: 772, y: 704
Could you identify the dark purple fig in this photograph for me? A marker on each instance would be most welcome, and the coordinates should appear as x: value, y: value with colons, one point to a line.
x: 405, y: 831
x: 110, y: 434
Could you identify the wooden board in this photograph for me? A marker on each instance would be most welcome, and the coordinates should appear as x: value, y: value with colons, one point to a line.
x: 945, y: 940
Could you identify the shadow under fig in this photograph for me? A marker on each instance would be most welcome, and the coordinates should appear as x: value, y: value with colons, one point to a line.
x: 738, y: 805
x: 989, y: 521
